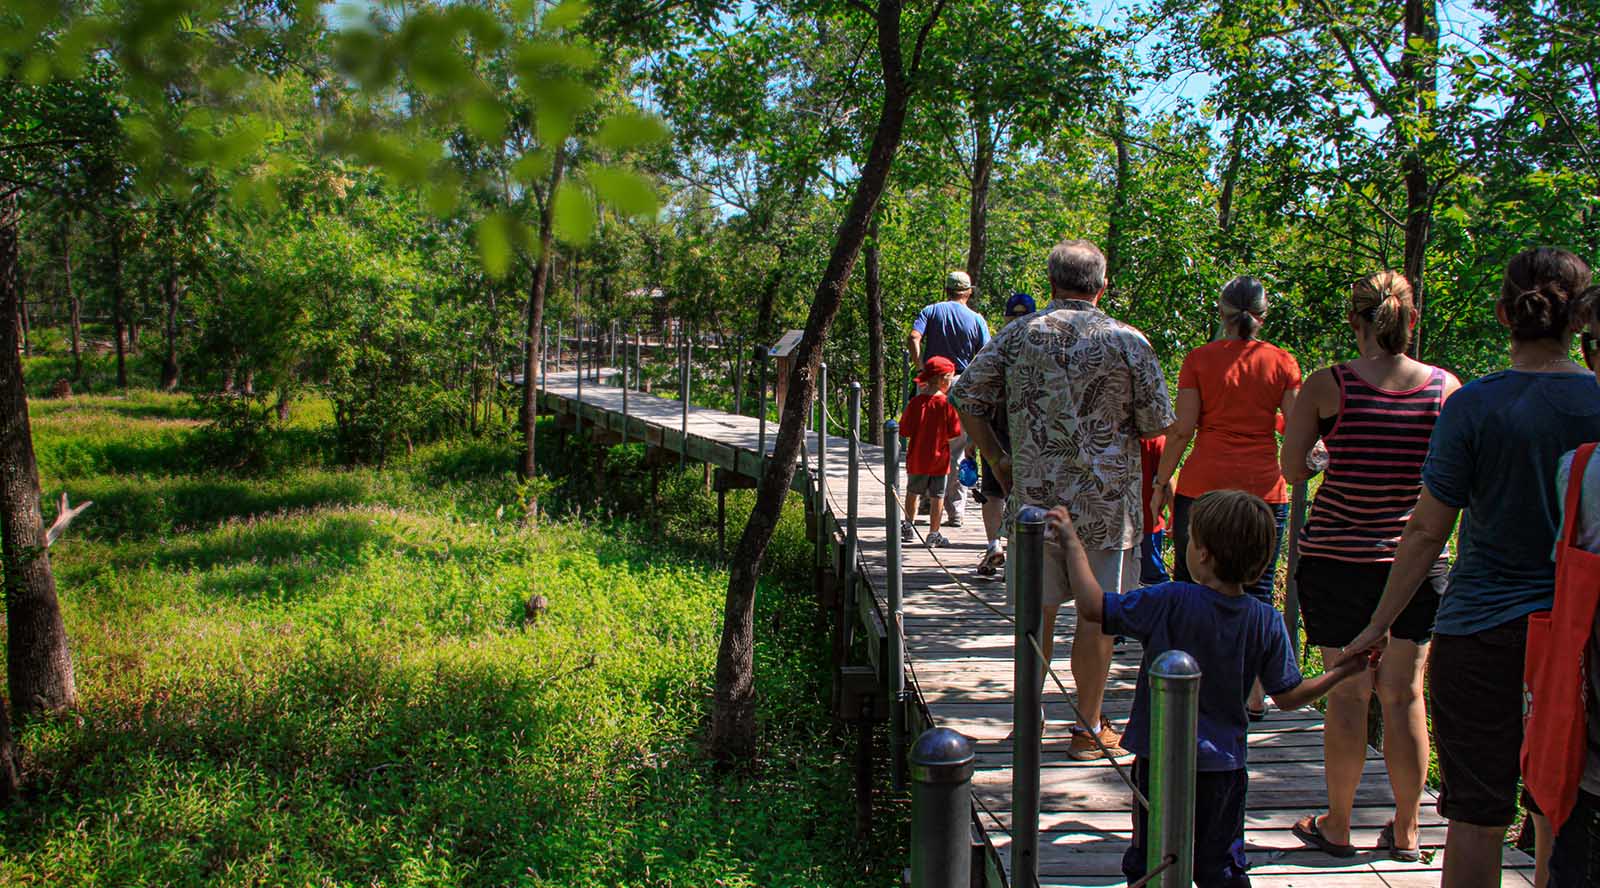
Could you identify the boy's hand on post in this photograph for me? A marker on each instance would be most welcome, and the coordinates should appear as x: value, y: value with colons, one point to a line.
x: 1059, y: 520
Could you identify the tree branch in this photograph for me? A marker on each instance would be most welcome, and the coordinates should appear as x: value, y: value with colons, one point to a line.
x: 63, y: 519
x: 922, y: 37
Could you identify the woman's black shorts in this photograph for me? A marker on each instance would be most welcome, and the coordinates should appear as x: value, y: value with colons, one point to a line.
x: 1338, y: 598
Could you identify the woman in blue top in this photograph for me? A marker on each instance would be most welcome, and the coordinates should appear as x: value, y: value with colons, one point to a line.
x: 1493, y: 456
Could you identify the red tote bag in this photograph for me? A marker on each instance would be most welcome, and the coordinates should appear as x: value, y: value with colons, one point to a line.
x: 1555, y: 740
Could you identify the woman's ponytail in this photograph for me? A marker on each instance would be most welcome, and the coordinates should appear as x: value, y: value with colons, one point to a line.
x: 1244, y: 304
x: 1386, y: 303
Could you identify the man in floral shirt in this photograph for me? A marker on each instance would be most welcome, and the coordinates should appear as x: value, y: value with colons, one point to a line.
x: 1080, y: 390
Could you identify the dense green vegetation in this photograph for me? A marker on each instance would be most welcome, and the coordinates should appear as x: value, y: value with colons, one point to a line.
x: 315, y: 675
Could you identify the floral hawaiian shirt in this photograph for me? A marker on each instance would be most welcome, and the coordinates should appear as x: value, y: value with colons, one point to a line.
x: 1080, y: 390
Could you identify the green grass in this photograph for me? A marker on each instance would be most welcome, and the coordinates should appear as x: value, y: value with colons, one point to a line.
x: 323, y: 676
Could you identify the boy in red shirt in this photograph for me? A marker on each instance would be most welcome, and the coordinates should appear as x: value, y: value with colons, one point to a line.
x: 929, y: 422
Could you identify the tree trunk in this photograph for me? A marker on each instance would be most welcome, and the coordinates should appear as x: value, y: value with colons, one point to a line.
x: 74, y: 309
x: 978, y: 208
x: 875, y: 384
x: 1230, y: 174
x: 174, y: 296
x: 285, y: 404
x: 1119, y: 203
x: 37, y: 656
x: 10, y: 780
x: 24, y: 326
x: 119, y: 324
x: 536, y: 294
x: 1419, y: 79
x: 733, y: 727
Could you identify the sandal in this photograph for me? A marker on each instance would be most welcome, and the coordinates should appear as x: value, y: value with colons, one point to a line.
x: 1308, y: 830
x: 1403, y: 855
x: 1256, y: 714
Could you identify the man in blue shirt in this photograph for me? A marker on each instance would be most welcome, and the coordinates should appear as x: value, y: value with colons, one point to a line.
x: 951, y: 330
x: 1234, y: 639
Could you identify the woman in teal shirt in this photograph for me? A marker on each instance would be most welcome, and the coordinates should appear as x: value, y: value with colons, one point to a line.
x: 1492, y: 461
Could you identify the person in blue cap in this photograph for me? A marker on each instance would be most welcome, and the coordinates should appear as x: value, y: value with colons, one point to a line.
x: 1020, y: 305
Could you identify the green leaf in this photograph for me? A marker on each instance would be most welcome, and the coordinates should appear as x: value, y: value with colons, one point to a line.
x: 628, y: 192
x: 495, y: 236
x: 565, y: 15
x: 485, y: 117
x: 574, y: 216
x: 532, y: 167
x: 631, y: 130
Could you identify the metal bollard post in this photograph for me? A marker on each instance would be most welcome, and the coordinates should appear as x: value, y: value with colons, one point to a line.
x: 822, y: 431
x: 941, y: 810
x: 577, y: 357
x: 853, y: 513
x: 738, y: 381
x: 896, y: 589
x: 761, y: 439
x: 1291, y: 588
x: 688, y: 354
x: 624, y: 370
x: 1174, y: 724
x: 1027, y: 560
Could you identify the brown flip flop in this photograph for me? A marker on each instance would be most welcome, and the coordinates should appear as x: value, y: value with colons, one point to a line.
x: 1308, y: 830
x: 1386, y: 843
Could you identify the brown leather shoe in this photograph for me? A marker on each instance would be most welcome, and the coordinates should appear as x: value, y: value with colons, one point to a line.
x: 1084, y: 749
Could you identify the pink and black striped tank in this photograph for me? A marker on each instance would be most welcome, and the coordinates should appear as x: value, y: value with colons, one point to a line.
x: 1376, y: 446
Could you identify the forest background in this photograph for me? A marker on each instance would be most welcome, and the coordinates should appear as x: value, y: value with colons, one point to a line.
x: 370, y: 215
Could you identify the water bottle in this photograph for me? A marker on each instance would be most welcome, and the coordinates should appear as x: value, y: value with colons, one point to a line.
x: 968, y: 472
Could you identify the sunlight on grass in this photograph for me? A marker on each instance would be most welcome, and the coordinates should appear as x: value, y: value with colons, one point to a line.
x: 327, y: 676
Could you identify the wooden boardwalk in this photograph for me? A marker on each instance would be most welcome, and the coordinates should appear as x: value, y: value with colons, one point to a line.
x: 959, y: 655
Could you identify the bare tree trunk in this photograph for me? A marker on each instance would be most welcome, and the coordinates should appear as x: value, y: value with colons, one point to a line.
x: 174, y: 297
x: 536, y: 294
x: 1230, y: 174
x: 1419, y: 79
x: 74, y: 309
x: 733, y: 728
x: 285, y: 403
x: 978, y: 208
x: 37, y: 656
x: 119, y: 323
x: 875, y: 384
x: 1119, y: 202
x: 10, y: 780
x: 24, y: 326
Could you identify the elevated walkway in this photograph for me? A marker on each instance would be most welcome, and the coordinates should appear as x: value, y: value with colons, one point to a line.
x: 959, y: 663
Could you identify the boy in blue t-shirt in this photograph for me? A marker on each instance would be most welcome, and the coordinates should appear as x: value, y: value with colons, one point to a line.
x: 1235, y: 639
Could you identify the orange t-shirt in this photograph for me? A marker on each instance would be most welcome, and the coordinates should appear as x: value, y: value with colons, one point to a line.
x: 1241, y: 386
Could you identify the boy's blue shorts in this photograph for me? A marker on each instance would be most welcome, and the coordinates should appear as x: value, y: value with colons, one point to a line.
x: 1219, y: 804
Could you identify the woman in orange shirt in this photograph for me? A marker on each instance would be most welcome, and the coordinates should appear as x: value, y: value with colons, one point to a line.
x: 1232, y: 396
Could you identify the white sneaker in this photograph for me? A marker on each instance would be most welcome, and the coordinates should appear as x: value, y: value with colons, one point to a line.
x: 952, y: 521
x: 937, y: 540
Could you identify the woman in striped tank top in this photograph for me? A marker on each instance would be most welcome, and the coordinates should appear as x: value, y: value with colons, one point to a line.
x: 1374, y: 415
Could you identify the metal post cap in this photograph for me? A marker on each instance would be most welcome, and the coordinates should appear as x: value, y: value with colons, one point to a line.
x: 941, y: 755
x: 1175, y: 664
x: 891, y: 426
x: 1031, y: 515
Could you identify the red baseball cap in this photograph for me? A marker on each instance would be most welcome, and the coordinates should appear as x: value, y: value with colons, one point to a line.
x: 937, y: 367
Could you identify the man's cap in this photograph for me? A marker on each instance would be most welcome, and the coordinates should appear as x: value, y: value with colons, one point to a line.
x: 937, y: 367
x: 957, y: 280
x: 1020, y: 304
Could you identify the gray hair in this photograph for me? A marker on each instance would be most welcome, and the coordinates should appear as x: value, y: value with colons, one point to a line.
x: 1077, y: 266
x: 1244, y: 303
